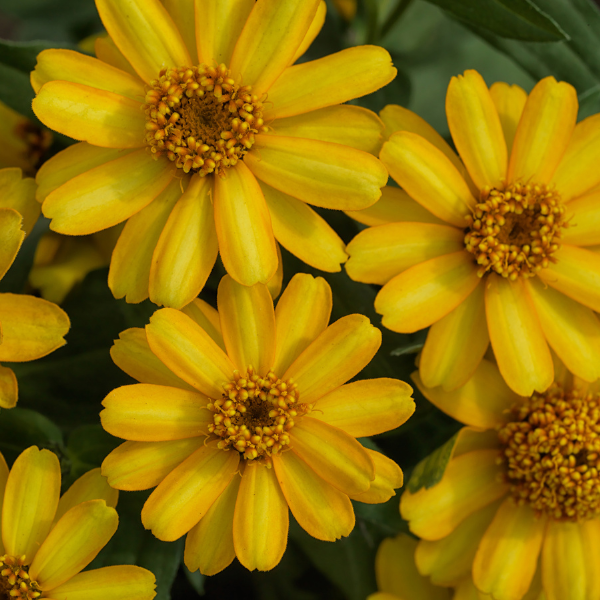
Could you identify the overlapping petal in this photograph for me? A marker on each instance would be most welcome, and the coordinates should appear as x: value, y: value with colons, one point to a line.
x: 388, y: 478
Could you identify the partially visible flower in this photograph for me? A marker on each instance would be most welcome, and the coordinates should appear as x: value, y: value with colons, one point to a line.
x: 243, y: 415
x: 346, y: 8
x: 519, y: 503
x: 46, y: 540
x: 216, y: 144
x: 29, y: 327
x: 496, y: 249
x: 23, y: 143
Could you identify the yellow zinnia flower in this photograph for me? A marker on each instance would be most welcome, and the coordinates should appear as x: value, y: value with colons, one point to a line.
x: 29, y: 327
x: 46, y: 540
x: 519, y: 502
x: 499, y: 249
x: 244, y: 413
x: 215, y: 143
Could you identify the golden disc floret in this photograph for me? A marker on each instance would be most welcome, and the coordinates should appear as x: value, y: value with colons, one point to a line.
x: 514, y: 232
x: 15, y: 582
x: 255, y: 414
x: 201, y: 118
x: 551, y: 450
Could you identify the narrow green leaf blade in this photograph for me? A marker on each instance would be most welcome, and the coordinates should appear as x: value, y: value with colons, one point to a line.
x: 431, y: 469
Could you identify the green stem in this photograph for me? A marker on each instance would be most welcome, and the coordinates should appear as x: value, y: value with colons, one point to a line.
x: 372, y: 14
x: 394, y: 17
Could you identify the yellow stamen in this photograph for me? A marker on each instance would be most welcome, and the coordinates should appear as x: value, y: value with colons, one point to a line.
x: 514, y: 232
x: 15, y: 581
x: 552, y: 454
x: 201, y: 118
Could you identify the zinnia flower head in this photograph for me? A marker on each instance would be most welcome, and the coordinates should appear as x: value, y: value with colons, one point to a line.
x: 497, y: 245
x: 243, y: 415
x: 46, y: 540
x: 29, y: 327
x: 519, y: 503
x: 199, y: 132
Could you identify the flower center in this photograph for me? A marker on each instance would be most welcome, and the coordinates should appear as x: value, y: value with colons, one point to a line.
x: 551, y: 451
x: 38, y: 141
x: 201, y: 118
x: 15, y: 581
x: 255, y: 414
x: 515, y: 231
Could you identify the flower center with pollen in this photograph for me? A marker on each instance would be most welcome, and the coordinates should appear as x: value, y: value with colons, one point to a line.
x: 15, y: 581
x: 552, y: 453
x: 255, y: 414
x: 515, y: 232
x: 201, y: 118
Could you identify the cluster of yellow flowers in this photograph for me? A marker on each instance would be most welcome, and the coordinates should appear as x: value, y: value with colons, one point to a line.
x: 199, y: 137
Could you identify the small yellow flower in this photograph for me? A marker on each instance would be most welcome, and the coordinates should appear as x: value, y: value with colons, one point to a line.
x: 46, y: 540
x: 200, y: 132
x: 243, y: 413
x: 23, y: 142
x: 519, y: 502
x: 497, y: 245
x: 29, y: 327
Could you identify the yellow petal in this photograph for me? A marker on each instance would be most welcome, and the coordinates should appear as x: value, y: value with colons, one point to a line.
x: 20, y: 195
x: 107, y: 195
x: 313, y: 31
x: 456, y: 344
x: 320, y: 173
x: 320, y: 509
x: 145, y: 33
x: 143, y: 465
x: 247, y: 324
x: 73, y: 543
x: 576, y: 274
x: 367, y: 407
x: 471, y: 482
x: 246, y: 241
x: 269, y: 40
x: 131, y: 259
x: 3, y: 478
x: 481, y: 402
x: 66, y: 65
x: 583, y: 216
x: 302, y: 314
x: 397, y: 574
x: 425, y: 293
x: 572, y: 330
x: 388, y: 477
x: 186, y: 494
x: 155, y: 413
x: 509, y: 101
x: 449, y: 560
x: 182, y: 14
x: 209, y: 544
x: 261, y: 519
x: 107, y: 52
x: 333, y: 79
x: 352, y: 126
x: 132, y: 354
x: 517, y: 337
x: 188, y: 351
x: 187, y: 248
x: 11, y: 237
x: 476, y: 129
x: 507, y: 557
x: 91, y: 115
x: 544, y: 132
x: 9, y: 390
x: 90, y: 486
x: 126, y: 582
x: 569, y: 560
x: 333, y: 455
x: 428, y: 176
x: 337, y: 355
x: 31, y: 327
x: 70, y: 163
x: 394, y: 205
x: 218, y: 27
x: 275, y: 284
x: 380, y: 253
x: 30, y: 501
x: 207, y: 317
x: 301, y: 231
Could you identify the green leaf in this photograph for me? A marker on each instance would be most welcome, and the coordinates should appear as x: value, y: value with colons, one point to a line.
x: 16, y: 91
x: 431, y: 469
x: 515, y: 19
x: 23, y: 55
x: 87, y: 447
x: 196, y: 580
